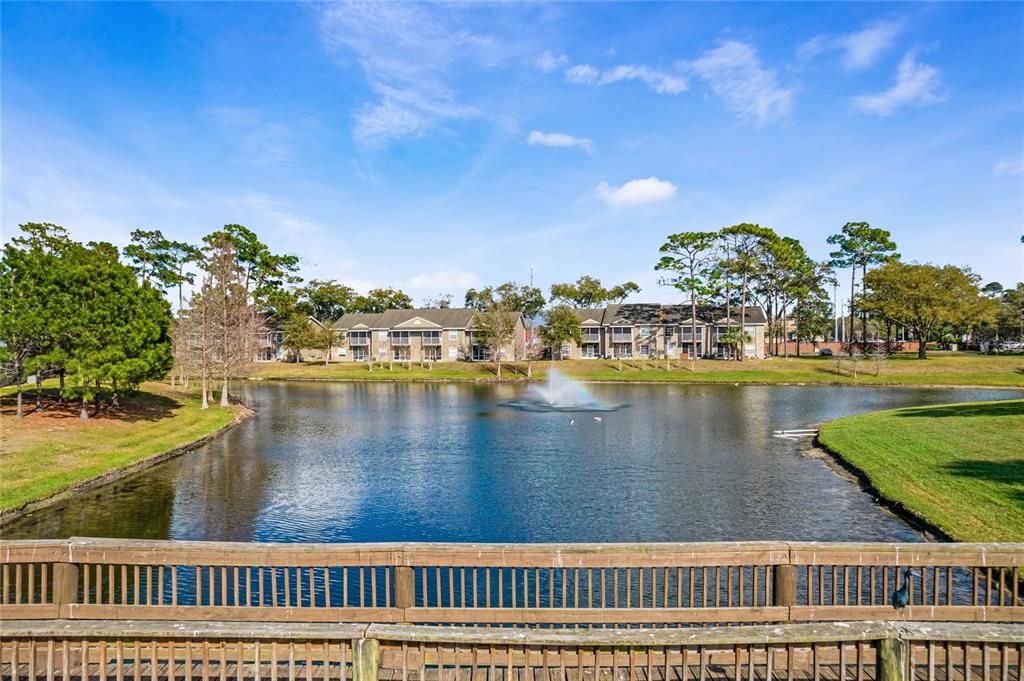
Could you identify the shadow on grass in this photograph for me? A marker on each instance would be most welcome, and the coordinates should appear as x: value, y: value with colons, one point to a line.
x: 1004, y: 472
x: 134, y: 407
x: 1001, y: 408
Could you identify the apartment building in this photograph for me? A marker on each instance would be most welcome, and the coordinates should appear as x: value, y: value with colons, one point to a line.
x: 418, y: 335
x: 652, y: 331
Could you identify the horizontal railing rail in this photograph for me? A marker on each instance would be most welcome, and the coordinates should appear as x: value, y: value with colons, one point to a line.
x: 861, y: 651
x: 573, y: 585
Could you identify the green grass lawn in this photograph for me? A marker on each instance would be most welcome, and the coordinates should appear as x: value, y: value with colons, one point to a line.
x: 959, y: 467
x: 939, y: 369
x: 49, y: 451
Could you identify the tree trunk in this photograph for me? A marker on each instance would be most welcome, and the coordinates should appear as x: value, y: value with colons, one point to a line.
x: 60, y: 395
x: 922, y: 345
x: 206, y: 393
x: 224, y: 392
x: 96, y: 400
x: 693, y: 330
x: 499, y: 368
x: 853, y: 283
x: 17, y: 379
x: 785, y: 340
x: 797, y: 311
x: 114, y: 401
x: 864, y: 313
x: 743, y: 320
x: 84, y: 413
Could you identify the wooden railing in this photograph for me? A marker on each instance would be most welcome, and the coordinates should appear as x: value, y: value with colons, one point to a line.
x: 578, y: 585
x: 161, y: 651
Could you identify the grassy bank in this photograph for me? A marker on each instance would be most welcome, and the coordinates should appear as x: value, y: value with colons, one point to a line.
x: 940, y: 369
x: 959, y: 467
x: 52, y: 450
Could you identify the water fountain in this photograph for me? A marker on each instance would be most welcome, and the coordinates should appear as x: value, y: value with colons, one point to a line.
x: 559, y: 393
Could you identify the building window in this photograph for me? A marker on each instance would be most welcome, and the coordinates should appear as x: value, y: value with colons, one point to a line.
x: 453, y: 335
x: 590, y: 350
x: 359, y: 353
x: 566, y: 351
x: 265, y: 355
x: 400, y: 352
x: 431, y: 338
x: 645, y: 350
x: 645, y: 331
x: 481, y: 353
x: 432, y: 353
x: 358, y: 338
x: 400, y: 338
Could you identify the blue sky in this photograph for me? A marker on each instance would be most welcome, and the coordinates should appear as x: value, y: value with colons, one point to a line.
x: 438, y: 147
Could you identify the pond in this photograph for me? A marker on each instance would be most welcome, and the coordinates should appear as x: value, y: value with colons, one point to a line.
x: 445, y: 462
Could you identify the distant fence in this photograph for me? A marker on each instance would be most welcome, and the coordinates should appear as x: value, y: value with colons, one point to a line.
x: 574, y: 585
x: 808, y: 348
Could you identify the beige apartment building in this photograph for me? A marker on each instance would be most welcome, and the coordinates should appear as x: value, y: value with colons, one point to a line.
x: 653, y: 331
x: 418, y: 335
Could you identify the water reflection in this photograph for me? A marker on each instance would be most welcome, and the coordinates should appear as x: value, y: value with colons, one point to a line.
x: 378, y: 462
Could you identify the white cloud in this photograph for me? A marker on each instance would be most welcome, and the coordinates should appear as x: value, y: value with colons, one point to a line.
x: 916, y: 83
x: 733, y: 71
x: 860, y: 49
x: 582, y: 74
x: 1013, y: 166
x: 407, y: 52
x: 636, y: 192
x: 557, y: 139
x: 659, y: 81
x: 549, y: 62
x: 258, y: 138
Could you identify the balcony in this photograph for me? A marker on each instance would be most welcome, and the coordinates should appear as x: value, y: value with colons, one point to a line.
x: 358, y: 341
x: 431, y: 341
x: 399, y: 341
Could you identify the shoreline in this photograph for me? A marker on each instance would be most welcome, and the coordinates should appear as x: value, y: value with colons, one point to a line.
x: 10, y: 515
x: 653, y: 381
x: 842, y: 467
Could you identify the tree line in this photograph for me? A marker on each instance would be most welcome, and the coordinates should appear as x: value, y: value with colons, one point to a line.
x: 99, y: 319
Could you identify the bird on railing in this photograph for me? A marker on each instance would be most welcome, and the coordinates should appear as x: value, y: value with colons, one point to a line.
x: 900, y: 598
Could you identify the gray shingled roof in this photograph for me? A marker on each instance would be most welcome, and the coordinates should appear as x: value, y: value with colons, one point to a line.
x: 451, y: 318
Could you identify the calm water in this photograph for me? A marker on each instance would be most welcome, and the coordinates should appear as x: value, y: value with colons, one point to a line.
x: 375, y: 462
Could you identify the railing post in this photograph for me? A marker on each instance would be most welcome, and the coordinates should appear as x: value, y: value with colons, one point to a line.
x: 784, y: 585
x: 405, y: 588
x: 65, y: 586
x: 365, y: 659
x: 892, y: 659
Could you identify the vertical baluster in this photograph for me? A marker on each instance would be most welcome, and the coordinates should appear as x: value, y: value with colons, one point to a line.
x: 373, y: 586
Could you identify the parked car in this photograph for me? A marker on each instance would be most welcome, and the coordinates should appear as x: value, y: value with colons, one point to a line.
x: 825, y: 352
